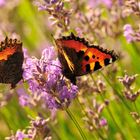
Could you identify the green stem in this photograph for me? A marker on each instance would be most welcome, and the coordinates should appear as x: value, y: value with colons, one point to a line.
x: 76, y: 124
x: 109, y: 111
x: 55, y: 132
x: 81, y: 106
x: 135, y: 48
x: 136, y: 107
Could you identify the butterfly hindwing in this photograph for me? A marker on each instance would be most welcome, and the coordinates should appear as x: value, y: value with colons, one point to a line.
x: 11, y: 60
x: 78, y: 58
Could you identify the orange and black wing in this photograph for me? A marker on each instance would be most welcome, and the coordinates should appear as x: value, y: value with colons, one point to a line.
x: 96, y: 58
x: 78, y: 58
x: 11, y: 60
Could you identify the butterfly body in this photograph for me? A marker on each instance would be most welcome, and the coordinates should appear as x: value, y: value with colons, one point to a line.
x: 78, y: 58
x: 11, y: 60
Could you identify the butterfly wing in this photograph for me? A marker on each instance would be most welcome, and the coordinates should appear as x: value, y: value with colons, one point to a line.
x: 78, y: 58
x: 96, y: 58
x: 11, y: 60
x: 70, y: 59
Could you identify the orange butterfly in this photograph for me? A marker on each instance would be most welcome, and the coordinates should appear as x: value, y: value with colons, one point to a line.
x: 78, y: 58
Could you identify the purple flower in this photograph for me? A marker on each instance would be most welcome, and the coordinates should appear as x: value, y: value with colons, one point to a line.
x: 46, y: 82
x: 93, y: 116
x: 103, y: 122
x: 2, y: 2
x: 20, y: 135
x: 120, y: 2
x: 51, y: 1
x: 129, y: 92
x: 127, y: 80
x: 59, y: 14
x: 128, y: 33
x: 38, y: 128
x: 94, y: 3
x: 48, y: 4
x: 108, y: 3
x: 23, y: 97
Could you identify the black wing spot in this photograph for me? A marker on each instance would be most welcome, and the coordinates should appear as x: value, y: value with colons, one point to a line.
x: 97, y: 66
x: 80, y: 54
x: 106, y: 61
x: 87, y: 67
x: 86, y: 57
x: 93, y: 56
x: 97, y: 57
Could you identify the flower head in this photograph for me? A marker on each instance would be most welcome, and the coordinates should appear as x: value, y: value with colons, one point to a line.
x: 2, y: 2
x: 39, y: 126
x: 20, y: 135
x: 103, y: 122
x: 128, y: 91
x: 135, y: 116
x: 46, y: 83
x: 93, y: 117
x: 131, y: 7
x: 59, y: 15
x: 94, y: 3
x: 128, y: 33
x: 127, y: 80
x: 37, y: 129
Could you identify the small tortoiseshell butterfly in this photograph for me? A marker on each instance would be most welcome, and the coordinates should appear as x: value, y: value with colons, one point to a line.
x: 78, y: 58
x: 11, y: 60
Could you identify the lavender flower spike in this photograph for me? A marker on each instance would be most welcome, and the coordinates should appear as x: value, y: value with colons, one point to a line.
x: 128, y: 33
x: 37, y: 129
x: 20, y: 135
x: 45, y: 81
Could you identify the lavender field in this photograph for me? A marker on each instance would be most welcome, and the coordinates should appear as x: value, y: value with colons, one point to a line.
x: 40, y: 99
